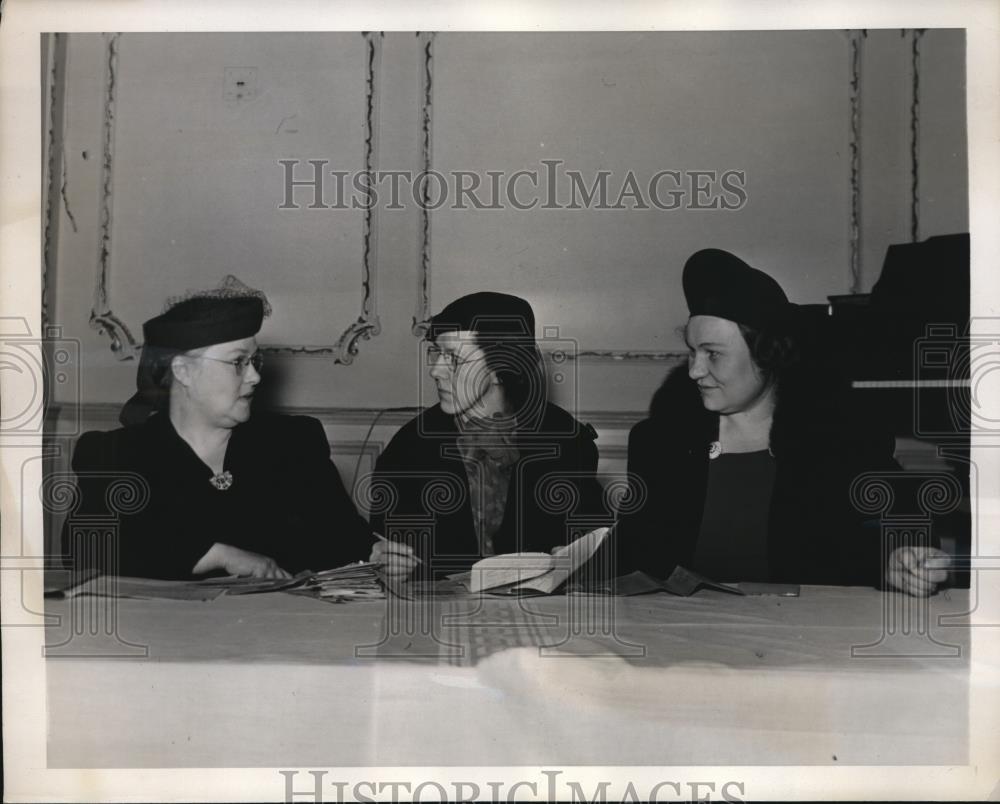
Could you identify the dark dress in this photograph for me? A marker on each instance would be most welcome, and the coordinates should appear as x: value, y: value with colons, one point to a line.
x: 814, y: 534
x: 732, y: 541
x: 287, y: 500
x: 420, y: 490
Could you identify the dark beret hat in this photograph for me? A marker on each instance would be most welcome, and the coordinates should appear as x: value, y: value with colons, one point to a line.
x: 720, y: 284
x: 489, y: 314
x: 203, y: 321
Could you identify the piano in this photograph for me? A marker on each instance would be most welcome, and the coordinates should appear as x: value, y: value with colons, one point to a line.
x: 905, y: 349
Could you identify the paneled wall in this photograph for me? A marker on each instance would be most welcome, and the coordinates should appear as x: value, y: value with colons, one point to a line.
x: 164, y: 173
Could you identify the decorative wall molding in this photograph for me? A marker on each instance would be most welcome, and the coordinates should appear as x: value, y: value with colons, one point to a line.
x: 632, y: 356
x: 423, y: 309
x: 54, y: 165
x: 365, y: 326
x: 915, y: 36
x: 612, y: 453
x: 423, y: 302
x: 370, y: 447
x: 366, y: 452
x: 102, y: 318
x: 854, y: 146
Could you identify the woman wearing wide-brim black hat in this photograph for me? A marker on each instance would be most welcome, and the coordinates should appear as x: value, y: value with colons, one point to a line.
x: 743, y: 470
x: 198, y: 484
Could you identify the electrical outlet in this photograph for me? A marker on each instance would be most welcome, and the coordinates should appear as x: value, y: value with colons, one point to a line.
x: 239, y: 84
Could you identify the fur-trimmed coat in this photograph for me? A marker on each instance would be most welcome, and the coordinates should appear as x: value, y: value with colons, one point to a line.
x: 820, y: 443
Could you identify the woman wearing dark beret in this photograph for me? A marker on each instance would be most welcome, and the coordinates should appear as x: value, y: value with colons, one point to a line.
x: 492, y: 468
x: 213, y: 489
x: 747, y: 458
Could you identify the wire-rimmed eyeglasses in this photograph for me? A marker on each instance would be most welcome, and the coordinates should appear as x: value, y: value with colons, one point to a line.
x: 451, y: 359
x: 240, y: 364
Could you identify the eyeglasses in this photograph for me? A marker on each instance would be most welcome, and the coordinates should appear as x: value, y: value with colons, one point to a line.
x: 451, y: 359
x: 240, y: 364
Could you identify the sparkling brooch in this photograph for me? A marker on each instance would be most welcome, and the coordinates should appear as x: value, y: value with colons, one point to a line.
x: 222, y: 481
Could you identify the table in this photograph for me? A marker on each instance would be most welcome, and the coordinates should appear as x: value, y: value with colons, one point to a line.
x: 850, y: 676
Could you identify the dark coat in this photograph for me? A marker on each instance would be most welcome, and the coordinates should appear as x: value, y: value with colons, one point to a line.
x: 815, y: 534
x: 287, y: 500
x: 420, y: 490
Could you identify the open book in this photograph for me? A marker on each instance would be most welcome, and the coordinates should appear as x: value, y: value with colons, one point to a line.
x: 542, y: 573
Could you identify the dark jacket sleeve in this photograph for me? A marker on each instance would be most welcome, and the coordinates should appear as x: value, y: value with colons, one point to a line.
x: 80, y: 539
x: 383, y: 491
x: 561, y: 496
x: 592, y: 498
x: 636, y: 519
x: 872, y: 461
x: 330, y: 530
x: 116, y: 527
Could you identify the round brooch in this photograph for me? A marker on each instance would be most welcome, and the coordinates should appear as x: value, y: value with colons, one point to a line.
x: 222, y: 481
x: 714, y: 450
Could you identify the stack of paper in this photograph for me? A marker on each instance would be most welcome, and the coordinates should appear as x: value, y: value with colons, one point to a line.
x: 235, y: 585
x: 452, y: 587
x: 358, y: 581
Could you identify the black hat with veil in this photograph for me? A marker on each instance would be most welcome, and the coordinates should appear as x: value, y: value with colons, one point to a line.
x: 229, y: 312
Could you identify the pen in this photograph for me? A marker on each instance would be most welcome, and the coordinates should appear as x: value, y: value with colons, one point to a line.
x: 382, y: 538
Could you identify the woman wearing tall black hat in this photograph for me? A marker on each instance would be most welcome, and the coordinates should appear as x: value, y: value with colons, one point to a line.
x: 194, y: 484
x: 492, y: 468
x: 747, y: 458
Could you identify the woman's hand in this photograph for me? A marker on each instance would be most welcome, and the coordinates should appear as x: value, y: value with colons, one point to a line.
x: 395, y: 558
x: 906, y: 570
x: 234, y: 561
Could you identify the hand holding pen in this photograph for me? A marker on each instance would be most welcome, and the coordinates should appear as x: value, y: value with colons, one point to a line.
x: 395, y: 559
